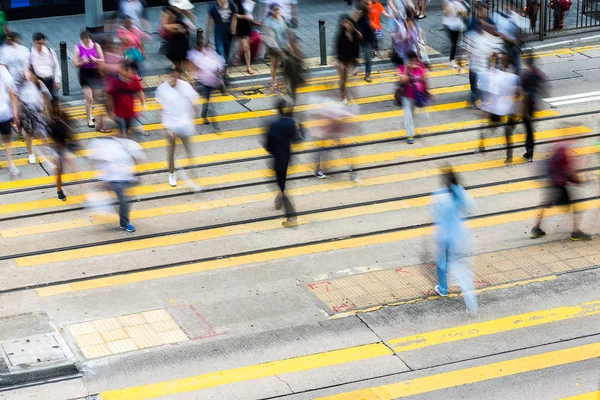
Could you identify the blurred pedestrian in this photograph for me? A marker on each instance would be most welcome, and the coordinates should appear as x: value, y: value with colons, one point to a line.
x: 244, y: 27
x: 369, y: 41
x: 413, y: 90
x: 375, y: 12
x: 185, y: 7
x: 120, y: 94
x: 34, y: 99
x: 87, y: 55
x: 453, y: 20
x: 207, y: 67
x: 221, y: 18
x: 293, y: 69
x: 501, y: 87
x: 9, y: 113
x: 422, y: 8
x: 277, y: 39
x: 136, y: 11
x: 289, y: 11
x: 116, y: 158
x: 132, y: 40
x: 562, y: 175
x: 398, y: 8
x: 280, y: 135
x: 533, y: 88
x: 347, y: 45
x: 450, y: 204
x: 178, y: 100
x: 508, y: 24
x: 176, y: 33
x: 15, y: 57
x: 45, y: 65
x: 406, y: 35
x: 61, y: 132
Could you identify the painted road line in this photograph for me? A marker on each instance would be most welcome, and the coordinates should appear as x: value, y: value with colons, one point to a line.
x: 247, y: 199
x: 263, y: 226
x: 572, y: 96
x: 585, y: 396
x: 268, y: 173
x: 272, y: 255
x: 205, y: 381
x: 472, y: 375
x: 305, y: 363
x: 575, y: 101
x: 495, y: 326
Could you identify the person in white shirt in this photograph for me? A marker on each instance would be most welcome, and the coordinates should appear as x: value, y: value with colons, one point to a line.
x: 288, y: 8
x: 33, y: 95
x: 178, y: 99
x: 9, y: 112
x: 454, y: 12
x: 15, y: 57
x: 136, y: 10
x: 45, y: 65
x: 116, y: 158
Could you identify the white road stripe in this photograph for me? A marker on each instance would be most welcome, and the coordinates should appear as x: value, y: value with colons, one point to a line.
x: 572, y: 96
x: 562, y: 103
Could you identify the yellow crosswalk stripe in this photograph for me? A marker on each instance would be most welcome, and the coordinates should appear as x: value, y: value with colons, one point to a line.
x: 272, y: 255
x: 192, y: 237
x: 472, y: 375
x: 247, y: 199
x: 585, y: 396
x: 342, y: 356
x: 266, y: 173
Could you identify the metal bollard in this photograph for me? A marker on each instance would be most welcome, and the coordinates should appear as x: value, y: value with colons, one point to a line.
x: 323, y: 42
x: 199, y: 35
x: 542, y: 13
x: 64, y: 68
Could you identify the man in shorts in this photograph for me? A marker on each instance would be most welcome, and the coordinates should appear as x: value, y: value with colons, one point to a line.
x: 562, y: 173
x: 9, y: 113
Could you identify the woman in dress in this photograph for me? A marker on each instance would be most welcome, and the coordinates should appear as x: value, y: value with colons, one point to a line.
x: 176, y: 33
x: 245, y: 8
x: 87, y: 54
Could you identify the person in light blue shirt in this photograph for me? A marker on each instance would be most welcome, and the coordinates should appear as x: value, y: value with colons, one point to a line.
x: 449, y: 206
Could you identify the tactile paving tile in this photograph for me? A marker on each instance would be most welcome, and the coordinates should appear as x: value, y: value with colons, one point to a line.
x: 363, y: 291
x: 125, y: 333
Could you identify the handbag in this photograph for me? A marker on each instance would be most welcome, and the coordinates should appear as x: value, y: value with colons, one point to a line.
x: 133, y: 54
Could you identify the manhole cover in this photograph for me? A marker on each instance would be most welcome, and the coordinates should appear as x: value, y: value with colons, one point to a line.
x: 33, y: 350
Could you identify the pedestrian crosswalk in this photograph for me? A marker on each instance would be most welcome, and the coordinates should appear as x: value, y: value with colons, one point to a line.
x: 60, y: 255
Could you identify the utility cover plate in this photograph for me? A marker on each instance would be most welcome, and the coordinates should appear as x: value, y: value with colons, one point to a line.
x: 33, y: 350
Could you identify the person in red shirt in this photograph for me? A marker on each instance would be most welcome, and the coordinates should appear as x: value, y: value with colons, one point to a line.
x: 375, y: 11
x: 120, y: 95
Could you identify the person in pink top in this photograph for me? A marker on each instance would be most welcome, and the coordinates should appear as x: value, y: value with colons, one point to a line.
x: 87, y: 55
x: 132, y: 38
x: 208, y: 68
x: 413, y: 81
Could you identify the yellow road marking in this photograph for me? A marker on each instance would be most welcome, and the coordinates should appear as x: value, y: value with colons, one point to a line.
x: 310, y: 362
x: 153, y: 243
x: 472, y: 375
x: 231, y: 262
x: 265, y: 173
x: 495, y: 326
x: 585, y: 396
x: 247, y: 199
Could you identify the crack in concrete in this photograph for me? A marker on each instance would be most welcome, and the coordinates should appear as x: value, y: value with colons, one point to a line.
x: 383, y: 341
x: 287, y: 384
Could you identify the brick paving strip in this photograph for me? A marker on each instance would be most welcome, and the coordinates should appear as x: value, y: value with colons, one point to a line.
x: 372, y: 289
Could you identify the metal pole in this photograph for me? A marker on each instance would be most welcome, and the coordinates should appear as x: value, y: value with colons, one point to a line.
x: 323, y: 42
x: 542, y: 30
x: 199, y: 35
x: 94, y: 15
x: 64, y: 68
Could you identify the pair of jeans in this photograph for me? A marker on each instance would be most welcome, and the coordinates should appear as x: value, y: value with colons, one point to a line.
x: 453, y: 35
x: 408, y: 105
x: 223, y: 45
x: 287, y: 204
x: 529, y: 105
x: 475, y: 94
x: 206, y: 92
x: 447, y: 259
x: 124, y: 124
x: 366, y: 47
x: 514, y: 56
x: 119, y: 187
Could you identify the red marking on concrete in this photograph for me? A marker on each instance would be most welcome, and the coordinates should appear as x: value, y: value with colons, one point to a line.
x: 211, y: 331
x: 402, y: 270
x: 344, y: 307
x: 320, y: 285
x: 482, y: 283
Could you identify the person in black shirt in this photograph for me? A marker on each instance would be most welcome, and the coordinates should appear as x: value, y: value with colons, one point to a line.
x: 369, y: 41
x: 532, y: 87
x: 348, y: 45
x: 221, y: 16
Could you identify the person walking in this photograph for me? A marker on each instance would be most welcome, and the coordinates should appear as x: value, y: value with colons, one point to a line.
x: 289, y: 11
x: 61, y: 132
x: 453, y: 20
x: 562, y: 175
x: 347, y: 46
x: 176, y: 32
x: 86, y: 56
x: 375, y: 12
x: 277, y: 39
x: 9, y: 113
x: 132, y: 40
x: 136, y: 11
x: 116, y: 158
x: 406, y: 36
x: 414, y: 91
x: 120, y: 93
x: 243, y: 30
x: 533, y: 88
x: 221, y: 18
x: 15, y: 57
x: 45, y: 65
x: 450, y: 204
x: 208, y: 68
x: 178, y: 99
x: 369, y: 41
x: 280, y: 135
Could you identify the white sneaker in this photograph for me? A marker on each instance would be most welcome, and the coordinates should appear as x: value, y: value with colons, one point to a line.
x: 320, y: 175
x: 32, y: 159
x: 453, y: 64
x: 14, y: 171
x: 345, y: 101
x: 172, y: 180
